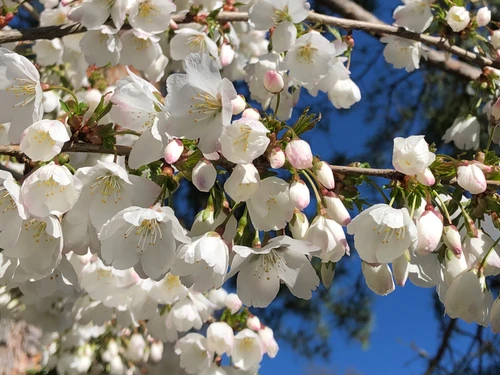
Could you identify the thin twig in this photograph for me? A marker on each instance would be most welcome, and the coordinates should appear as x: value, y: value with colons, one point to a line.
x: 13, y: 150
x: 50, y: 32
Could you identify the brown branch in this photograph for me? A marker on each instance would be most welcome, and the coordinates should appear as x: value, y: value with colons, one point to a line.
x: 377, y: 28
x: 391, y: 174
x: 438, y: 59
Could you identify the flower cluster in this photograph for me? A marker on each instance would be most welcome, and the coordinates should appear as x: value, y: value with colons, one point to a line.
x: 98, y: 244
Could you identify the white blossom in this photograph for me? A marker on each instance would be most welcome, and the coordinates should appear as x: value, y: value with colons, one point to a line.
x: 44, y: 139
x: 464, y: 133
x: 260, y: 270
x: 20, y: 93
x: 382, y: 233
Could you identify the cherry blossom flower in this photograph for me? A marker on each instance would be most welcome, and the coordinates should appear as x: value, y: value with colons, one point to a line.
x: 458, y: 18
x: 242, y: 183
x: 151, y: 16
x: 187, y: 41
x: 382, y: 233
x: 50, y: 189
x: 244, y: 140
x: 283, y: 14
x: 145, y: 236
x: 44, y: 139
x: 260, y: 270
x: 204, y: 262
x: 20, y: 93
x: 199, y: 102
x: 269, y: 207
x: 415, y: 15
x: 464, y: 133
x: 469, y: 299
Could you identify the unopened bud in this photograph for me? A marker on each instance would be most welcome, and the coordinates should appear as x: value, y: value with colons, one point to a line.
x: 299, y: 154
x: 238, y: 104
x: 226, y: 55
x: 471, y: 178
x: 253, y: 322
x: 273, y: 82
x: 277, y: 158
x: 299, y: 225
x: 327, y: 273
x: 233, y: 303
x: 452, y: 240
x: 429, y: 230
x: 483, y: 16
x: 173, y: 151
x: 336, y: 209
x: 299, y: 195
x: 251, y: 113
x: 324, y: 174
x: 495, y: 39
x: 426, y: 177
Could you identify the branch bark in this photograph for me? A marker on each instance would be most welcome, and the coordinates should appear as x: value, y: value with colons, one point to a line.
x: 438, y: 59
x: 391, y: 174
x: 364, y: 21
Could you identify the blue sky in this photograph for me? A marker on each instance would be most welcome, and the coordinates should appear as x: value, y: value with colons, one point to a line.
x: 406, y: 316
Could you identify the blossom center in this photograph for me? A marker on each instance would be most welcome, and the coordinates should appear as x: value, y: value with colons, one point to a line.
x: 50, y: 186
x: 306, y: 53
x: 25, y: 87
x: 205, y: 105
x: 266, y: 262
x: 172, y: 282
x: 386, y: 233
x: 39, y: 229
x: 245, y: 132
x: 149, y: 231
x: 109, y: 185
x: 146, y: 8
x: 42, y: 137
x: 281, y: 15
x: 6, y: 201
x: 197, y: 42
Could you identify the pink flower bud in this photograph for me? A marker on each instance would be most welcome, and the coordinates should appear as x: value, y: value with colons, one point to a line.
x: 471, y: 178
x: 299, y: 154
x: 429, y: 230
x: 299, y: 195
x: 452, y: 240
x: 277, y: 158
x: 495, y: 39
x: 325, y: 175
x: 204, y: 175
x: 483, y: 16
x: 336, y: 209
x: 238, y: 104
x: 251, y: 113
x: 156, y: 351
x: 426, y: 177
x: 226, y: 55
x: 273, y: 82
x: 173, y: 151
x: 253, y: 322
x: 233, y: 302
x: 495, y: 109
x: 268, y: 342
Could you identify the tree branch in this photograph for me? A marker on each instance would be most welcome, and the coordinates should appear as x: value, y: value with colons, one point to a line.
x: 438, y: 59
x: 445, y: 342
x: 377, y: 28
x: 391, y: 174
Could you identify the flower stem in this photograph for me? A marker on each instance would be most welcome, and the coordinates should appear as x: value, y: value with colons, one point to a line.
x: 443, y: 206
x: 64, y: 89
x: 379, y: 189
x: 319, y: 205
x: 483, y: 261
x: 278, y: 99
